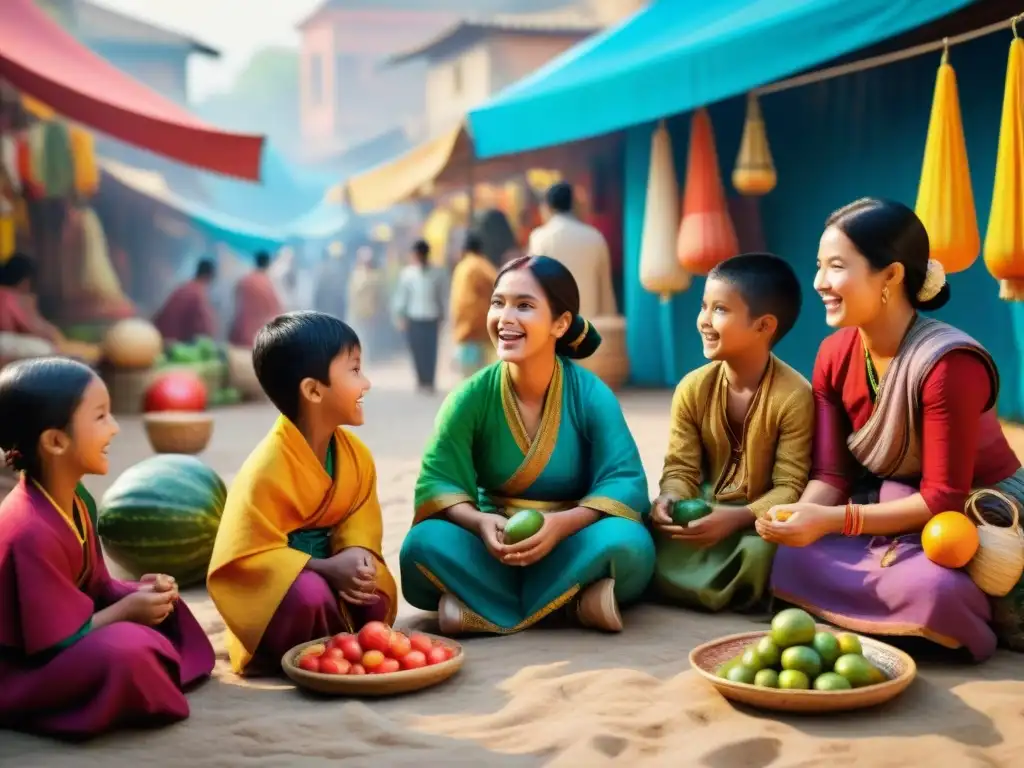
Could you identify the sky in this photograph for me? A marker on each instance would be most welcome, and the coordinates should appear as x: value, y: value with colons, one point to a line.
x: 238, y: 28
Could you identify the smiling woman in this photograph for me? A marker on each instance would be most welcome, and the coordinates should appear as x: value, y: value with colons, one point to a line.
x: 532, y: 431
x: 905, y: 429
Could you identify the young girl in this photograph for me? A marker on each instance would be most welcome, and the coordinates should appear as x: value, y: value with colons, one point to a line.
x: 80, y: 653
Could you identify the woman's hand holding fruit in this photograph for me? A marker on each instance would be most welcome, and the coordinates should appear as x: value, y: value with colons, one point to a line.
x: 491, y: 529
x: 798, y: 525
x: 707, y: 531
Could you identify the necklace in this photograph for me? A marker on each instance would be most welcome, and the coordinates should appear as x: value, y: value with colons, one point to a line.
x: 872, y: 374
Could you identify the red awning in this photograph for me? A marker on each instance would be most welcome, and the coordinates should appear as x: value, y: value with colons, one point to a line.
x: 41, y: 59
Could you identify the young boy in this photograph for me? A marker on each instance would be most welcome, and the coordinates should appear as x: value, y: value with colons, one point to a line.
x: 740, y: 439
x: 298, y: 552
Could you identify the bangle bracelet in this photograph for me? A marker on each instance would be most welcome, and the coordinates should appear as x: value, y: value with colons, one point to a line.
x: 848, y: 520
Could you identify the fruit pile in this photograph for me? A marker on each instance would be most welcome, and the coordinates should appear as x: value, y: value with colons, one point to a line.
x: 376, y: 650
x: 794, y: 655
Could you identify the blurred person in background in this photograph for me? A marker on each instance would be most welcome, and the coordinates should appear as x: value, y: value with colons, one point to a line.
x: 497, y: 238
x: 580, y: 247
x: 418, y: 309
x: 256, y: 303
x: 188, y: 312
x: 472, y: 284
x: 365, y: 292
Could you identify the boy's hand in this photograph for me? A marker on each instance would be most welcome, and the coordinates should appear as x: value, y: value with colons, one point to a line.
x: 352, y: 573
x: 661, y: 514
x: 722, y: 523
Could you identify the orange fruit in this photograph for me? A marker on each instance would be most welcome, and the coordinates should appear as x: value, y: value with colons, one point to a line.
x: 950, y: 539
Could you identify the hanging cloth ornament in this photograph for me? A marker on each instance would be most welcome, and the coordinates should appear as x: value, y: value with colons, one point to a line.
x: 660, y: 272
x: 754, y: 173
x: 945, y: 200
x: 83, y: 155
x: 57, y: 163
x: 1004, y: 240
x: 706, y: 234
x: 26, y: 165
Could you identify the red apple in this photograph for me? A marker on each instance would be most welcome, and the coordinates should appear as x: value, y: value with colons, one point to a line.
x: 436, y: 656
x: 332, y: 653
x: 388, y: 666
x: 351, y: 650
x: 421, y: 643
x: 414, y: 660
x: 357, y: 669
x: 335, y: 667
x: 400, y: 645
x: 310, y: 662
x: 177, y: 391
x: 375, y: 636
x: 339, y: 638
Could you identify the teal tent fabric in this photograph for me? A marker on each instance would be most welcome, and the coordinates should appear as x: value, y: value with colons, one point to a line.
x: 676, y: 55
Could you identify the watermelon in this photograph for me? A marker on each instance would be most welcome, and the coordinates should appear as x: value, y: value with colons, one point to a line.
x: 161, y: 516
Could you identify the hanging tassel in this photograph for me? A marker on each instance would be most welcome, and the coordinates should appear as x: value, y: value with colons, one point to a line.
x: 706, y: 234
x: 1004, y: 240
x: 660, y: 272
x: 754, y: 173
x: 83, y: 155
x: 945, y: 200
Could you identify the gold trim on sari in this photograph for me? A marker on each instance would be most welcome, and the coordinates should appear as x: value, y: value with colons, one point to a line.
x: 439, y: 504
x: 509, y: 505
x: 473, y: 622
x: 611, y: 507
x: 539, y: 452
x: 889, y: 443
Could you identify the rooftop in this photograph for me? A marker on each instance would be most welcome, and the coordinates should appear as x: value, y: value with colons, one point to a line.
x: 97, y: 24
x: 564, y: 21
x: 466, y: 7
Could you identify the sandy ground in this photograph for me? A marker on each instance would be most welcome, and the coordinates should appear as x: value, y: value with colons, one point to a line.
x: 544, y: 697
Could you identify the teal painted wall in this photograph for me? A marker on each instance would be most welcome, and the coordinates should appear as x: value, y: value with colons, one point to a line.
x: 833, y: 142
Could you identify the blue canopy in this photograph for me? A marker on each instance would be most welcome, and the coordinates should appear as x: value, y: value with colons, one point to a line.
x: 674, y: 56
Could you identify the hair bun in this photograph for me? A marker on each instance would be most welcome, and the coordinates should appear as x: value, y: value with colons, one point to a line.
x: 580, y: 341
x: 933, y: 281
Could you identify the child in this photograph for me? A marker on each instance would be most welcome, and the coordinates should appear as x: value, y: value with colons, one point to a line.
x: 80, y: 653
x: 740, y: 438
x: 298, y: 552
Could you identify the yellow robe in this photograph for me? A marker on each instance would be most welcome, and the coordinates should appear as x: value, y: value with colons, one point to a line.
x: 767, y: 464
x: 281, y: 488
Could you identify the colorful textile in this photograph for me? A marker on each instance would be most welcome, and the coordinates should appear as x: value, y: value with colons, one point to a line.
x: 582, y: 455
x: 281, y: 489
x: 472, y: 285
x: 61, y: 676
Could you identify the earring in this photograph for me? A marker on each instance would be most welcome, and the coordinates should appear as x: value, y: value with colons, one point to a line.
x: 885, y: 294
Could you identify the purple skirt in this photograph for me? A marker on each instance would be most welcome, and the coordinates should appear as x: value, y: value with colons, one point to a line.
x: 841, y: 579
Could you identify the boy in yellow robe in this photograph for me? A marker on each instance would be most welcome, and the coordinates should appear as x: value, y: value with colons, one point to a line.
x: 740, y: 439
x: 298, y: 552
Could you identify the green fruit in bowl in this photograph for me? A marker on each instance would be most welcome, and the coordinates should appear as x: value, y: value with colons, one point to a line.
x: 741, y: 674
x: 802, y: 659
x: 769, y: 652
x: 827, y: 646
x: 830, y: 681
x: 793, y: 627
x: 767, y: 678
x: 793, y: 680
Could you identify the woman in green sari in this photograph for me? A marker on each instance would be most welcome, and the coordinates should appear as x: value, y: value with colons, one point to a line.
x: 532, y: 431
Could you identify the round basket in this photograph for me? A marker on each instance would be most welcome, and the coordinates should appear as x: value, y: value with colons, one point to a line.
x: 390, y: 684
x: 610, y: 363
x: 178, y: 431
x: 999, y: 562
x: 899, y: 667
x: 241, y: 374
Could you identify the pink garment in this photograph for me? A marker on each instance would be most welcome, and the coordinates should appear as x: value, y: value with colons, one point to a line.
x: 187, y: 313
x: 256, y: 304
x: 13, y: 316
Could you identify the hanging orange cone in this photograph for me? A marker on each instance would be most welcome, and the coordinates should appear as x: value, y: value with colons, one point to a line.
x: 945, y: 200
x: 754, y: 172
x: 1004, y: 240
x: 706, y: 235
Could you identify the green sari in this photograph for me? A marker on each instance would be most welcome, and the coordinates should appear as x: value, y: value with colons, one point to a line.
x: 583, y: 455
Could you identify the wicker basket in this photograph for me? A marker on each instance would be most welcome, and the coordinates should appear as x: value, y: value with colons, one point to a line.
x: 179, y: 431
x: 999, y: 562
x: 897, y: 666
x: 241, y: 374
x: 610, y: 363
